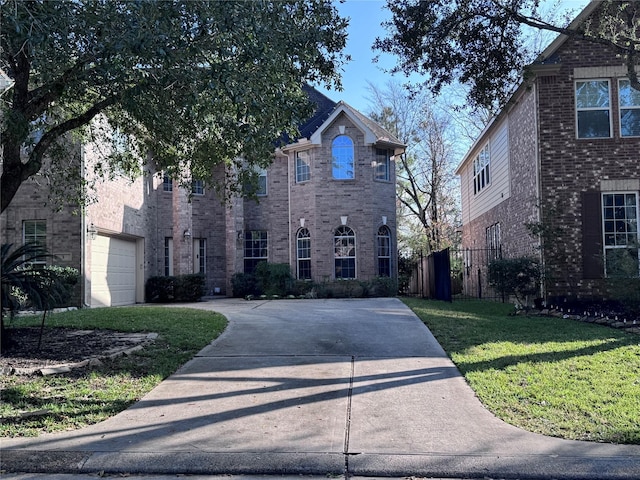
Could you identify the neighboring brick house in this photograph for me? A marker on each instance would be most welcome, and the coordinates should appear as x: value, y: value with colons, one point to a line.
x: 326, y: 206
x: 564, y: 155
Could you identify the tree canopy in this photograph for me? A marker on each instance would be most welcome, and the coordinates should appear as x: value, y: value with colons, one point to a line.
x: 481, y: 42
x: 194, y: 83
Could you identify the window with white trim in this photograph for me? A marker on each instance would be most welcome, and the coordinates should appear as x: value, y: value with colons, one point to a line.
x: 262, y: 182
x: 197, y: 187
x: 342, y: 158
x: 593, y: 109
x: 481, y: 165
x: 621, y: 233
x: 200, y: 255
x: 303, y: 167
x: 383, y: 244
x: 345, y: 252
x: 255, y: 249
x: 629, y: 109
x: 168, y: 256
x: 35, y: 232
x: 167, y: 183
x: 493, y: 242
x: 304, y: 254
x: 382, y: 167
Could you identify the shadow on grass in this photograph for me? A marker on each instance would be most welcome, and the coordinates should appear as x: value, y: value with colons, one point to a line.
x: 503, y: 362
x: 459, y: 327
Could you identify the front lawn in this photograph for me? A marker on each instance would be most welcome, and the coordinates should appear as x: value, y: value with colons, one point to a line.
x: 547, y: 375
x: 87, y: 396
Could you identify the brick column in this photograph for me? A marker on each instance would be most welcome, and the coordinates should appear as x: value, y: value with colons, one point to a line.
x: 182, y: 222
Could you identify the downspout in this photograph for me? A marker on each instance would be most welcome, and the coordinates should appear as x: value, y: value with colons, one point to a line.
x: 289, y: 234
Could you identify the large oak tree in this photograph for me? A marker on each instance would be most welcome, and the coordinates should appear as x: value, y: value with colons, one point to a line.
x: 195, y: 83
x: 482, y: 43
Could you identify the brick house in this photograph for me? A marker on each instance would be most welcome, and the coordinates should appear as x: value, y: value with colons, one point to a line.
x: 563, y: 156
x: 326, y: 206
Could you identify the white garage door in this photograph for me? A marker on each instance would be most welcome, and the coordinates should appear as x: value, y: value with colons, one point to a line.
x: 113, y: 272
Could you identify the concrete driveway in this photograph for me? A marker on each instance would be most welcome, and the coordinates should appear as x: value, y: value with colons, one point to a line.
x: 353, y: 387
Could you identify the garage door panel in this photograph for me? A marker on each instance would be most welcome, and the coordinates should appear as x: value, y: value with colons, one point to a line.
x: 113, y: 272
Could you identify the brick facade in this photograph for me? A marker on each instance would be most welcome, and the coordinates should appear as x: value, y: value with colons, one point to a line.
x: 570, y: 166
x: 552, y: 170
x: 167, y: 227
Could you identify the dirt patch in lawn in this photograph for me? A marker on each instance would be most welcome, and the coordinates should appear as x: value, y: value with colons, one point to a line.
x: 65, y: 348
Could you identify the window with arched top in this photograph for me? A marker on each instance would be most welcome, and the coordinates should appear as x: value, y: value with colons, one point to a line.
x: 345, y: 252
x: 383, y: 251
x: 342, y: 158
x: 304, y: 254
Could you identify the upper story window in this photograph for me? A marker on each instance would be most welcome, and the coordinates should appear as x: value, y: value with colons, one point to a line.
x: 345, y: 252
x: 303, y: 167
x: 197, y: 187
x: 167, y: 183
x: 481, y: 170
x: 629, y: 110
x: 593, y: 109
x: 621, y: 233
x: 342, y: 158
x: 382, y: 167
x: 262, y: 182
x: 256, y: 182
x: 35, y: 232
x: 304, y: 254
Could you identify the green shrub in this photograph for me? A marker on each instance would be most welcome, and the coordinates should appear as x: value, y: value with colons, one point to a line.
x: 181, y: 288
x: 300, y: 288
x: 159, y: 289
x: 188, y: 288
x: 273, y: 278
x: 515, y: 276
x: 58, y: 282
x: 244, y: 284
x: 67, y: 277
x: 382, y: 287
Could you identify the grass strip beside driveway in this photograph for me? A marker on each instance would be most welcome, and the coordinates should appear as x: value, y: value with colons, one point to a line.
x: 86, y: 396
x: 548, y: 375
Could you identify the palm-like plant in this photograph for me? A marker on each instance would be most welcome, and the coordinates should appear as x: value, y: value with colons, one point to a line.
x: 40, y: 286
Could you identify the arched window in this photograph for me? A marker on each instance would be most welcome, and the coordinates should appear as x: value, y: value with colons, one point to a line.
x: 383, y: 250
x: 342, y: 158
x: 304, y: 254
x: 345, y: 252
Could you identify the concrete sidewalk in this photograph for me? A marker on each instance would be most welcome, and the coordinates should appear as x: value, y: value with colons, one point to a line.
x: 317, y: 387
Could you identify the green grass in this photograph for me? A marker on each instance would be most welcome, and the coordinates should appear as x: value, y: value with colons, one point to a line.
x: 85, y: 396
x: 548, y: 375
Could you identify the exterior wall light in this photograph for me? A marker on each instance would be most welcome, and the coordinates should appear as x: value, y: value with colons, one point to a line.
x: 92, y: 231
x: 187, y: 234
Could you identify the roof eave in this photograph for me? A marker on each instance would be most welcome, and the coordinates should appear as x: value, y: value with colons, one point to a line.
x: 537, y: 68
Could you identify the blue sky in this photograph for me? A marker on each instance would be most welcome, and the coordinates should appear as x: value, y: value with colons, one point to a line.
x: 364, y: 26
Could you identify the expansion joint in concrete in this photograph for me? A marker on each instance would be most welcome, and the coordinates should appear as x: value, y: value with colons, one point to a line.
x: 347, y: 429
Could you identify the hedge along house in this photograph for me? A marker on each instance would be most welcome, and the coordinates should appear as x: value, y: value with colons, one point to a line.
x: 563, y: 157
x: 325, y: 206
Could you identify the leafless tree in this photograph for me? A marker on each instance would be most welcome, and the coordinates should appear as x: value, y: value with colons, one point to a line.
x: 427, y: 189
